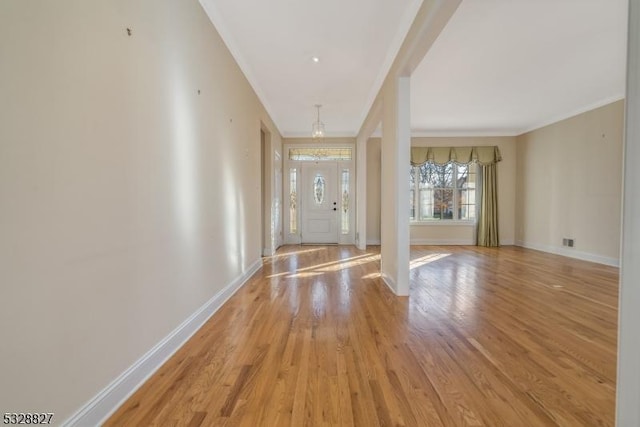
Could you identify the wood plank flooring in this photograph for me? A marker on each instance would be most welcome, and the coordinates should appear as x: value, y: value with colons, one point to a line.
x: 488, y: 337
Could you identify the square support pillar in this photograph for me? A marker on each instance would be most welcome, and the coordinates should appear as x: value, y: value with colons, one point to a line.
x: 396, y: 146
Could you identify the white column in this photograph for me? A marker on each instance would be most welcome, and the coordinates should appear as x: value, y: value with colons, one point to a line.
x: 361, y: 193
x: 628, y: 393
x: 394, y: 195
x: 403, y: 135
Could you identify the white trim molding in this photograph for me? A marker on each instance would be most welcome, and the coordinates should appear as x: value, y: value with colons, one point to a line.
x: 443, y: 242
x: 454, y: 242
x: 107, y: 401
x: 387, y: 280
x: 567, y: 115
x: 506, y: 131
x: 570, y: 253
x: 443, y: 223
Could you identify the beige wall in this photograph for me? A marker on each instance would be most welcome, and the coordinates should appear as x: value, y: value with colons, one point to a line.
x: 447, y: 233
x: 128, y: 199
x: 569, y: 185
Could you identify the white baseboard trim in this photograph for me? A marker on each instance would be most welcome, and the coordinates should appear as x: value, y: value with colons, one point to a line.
x: 106, y: 402
x: 442, y: 242
x: 571, y: 253
x: 267, y: 252
x: 391, y: 284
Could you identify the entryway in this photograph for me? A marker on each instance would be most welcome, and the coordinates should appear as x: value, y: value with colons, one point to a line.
x: 319, y: 208
x: 321, y: 190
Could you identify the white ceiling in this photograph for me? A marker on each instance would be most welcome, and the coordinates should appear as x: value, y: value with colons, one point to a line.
x: 274, y: 41
x: 504, y: 67
x: 500, y: 67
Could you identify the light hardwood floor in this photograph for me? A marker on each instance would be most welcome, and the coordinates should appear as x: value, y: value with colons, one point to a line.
x: 493, y: 337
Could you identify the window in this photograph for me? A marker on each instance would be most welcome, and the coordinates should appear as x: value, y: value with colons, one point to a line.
x: 318, y: 189
x: 345, y: 202
x: 442, y: 192
x: 293, y: 201
x: 320, y: 154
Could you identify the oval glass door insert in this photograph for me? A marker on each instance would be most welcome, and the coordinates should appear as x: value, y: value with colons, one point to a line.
x: 318, y: 189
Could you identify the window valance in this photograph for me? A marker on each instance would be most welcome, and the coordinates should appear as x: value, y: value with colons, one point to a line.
x: 484, y: 155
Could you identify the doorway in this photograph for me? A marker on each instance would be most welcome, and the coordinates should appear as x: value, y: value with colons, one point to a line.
x: 320, y: 191
x: 319, y: 207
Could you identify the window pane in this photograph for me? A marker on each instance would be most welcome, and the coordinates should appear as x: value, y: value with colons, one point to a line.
x: 466, y: 209
x: 426, y: 202
x: 444, y: 192
x: 447, y: 203
x: 448, y: 176
x: 319, y: 153
x: 443, y: 204
x: 412, y: 208
x: 467, y: 195
x: 293, y: 201
x: 437, y: 204
x: 412, y: 183
x: 345, y: 201
x: 463, y: 175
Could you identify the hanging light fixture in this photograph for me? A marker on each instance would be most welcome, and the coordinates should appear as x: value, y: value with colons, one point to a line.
x: 317, y: 129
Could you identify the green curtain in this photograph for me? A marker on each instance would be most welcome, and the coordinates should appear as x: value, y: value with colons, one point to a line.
x: 488, y: 216
x: 483, y: 155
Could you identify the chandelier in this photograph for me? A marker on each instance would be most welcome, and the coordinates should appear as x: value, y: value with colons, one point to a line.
x: 317, y: 129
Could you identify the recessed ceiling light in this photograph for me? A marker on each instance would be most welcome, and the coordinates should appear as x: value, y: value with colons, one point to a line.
x: 315, y: 59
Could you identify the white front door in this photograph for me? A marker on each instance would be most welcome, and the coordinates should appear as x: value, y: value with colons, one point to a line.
x: 319, y: 215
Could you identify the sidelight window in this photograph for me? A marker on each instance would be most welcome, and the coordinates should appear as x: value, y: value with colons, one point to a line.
x: 345, y: 202
x: 293, y: 201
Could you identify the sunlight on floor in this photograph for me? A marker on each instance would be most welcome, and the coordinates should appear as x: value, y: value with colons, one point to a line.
x: 419, y: 262
x: 302, y: 275
x: 328, y: 267
x: 334, y: 266
x: 350, y: 262
x: 288, y: 254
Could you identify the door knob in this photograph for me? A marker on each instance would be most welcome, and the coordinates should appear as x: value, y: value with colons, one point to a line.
x: 335, y: 203
x: 335, y: 209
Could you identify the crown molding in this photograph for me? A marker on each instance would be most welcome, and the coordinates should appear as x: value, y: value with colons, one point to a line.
x: 451, y: 133
x: 218, y: 22
x: 560, y: 117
